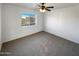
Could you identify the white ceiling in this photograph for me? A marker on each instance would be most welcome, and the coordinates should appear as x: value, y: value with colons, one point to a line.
x: 56, y: 5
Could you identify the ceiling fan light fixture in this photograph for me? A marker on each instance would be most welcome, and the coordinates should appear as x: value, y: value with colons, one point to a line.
x: 42, y: 10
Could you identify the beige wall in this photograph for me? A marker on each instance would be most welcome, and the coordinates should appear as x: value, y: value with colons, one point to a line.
x: 0, y: 26
x: 11, y: 23
x: 64, y: 23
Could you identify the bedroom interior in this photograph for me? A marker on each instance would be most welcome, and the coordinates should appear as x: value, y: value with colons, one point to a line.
x: 39, y: 29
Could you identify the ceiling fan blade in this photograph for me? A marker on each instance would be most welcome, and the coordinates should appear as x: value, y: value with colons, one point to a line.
x: 50, y: 7
x: 42, y: 3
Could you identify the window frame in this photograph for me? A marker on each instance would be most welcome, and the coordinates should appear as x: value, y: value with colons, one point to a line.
x: 35, y: 21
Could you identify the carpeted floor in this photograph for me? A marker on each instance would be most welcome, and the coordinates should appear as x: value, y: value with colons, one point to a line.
x: 40, y: 44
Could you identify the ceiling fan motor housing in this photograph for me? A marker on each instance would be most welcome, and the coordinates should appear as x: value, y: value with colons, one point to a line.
x: 43, y: 7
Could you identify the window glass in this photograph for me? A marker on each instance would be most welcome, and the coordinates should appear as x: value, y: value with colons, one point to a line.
x: 27, y: 19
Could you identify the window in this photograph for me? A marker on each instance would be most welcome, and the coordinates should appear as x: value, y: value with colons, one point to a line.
x: 27, y: 19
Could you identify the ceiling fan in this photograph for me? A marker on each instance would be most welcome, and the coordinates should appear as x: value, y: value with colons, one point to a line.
x: 44, y: 8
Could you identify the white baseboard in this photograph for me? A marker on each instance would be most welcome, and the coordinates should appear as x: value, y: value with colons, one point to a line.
x: 63, y: 37
x: 20, y: 37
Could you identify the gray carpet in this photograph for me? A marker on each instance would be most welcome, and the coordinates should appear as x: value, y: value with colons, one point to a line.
x: 40, y: 44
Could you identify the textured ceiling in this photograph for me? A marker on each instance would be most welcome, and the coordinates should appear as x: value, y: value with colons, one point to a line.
x: 35, y: 5
x: 56, y: 5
